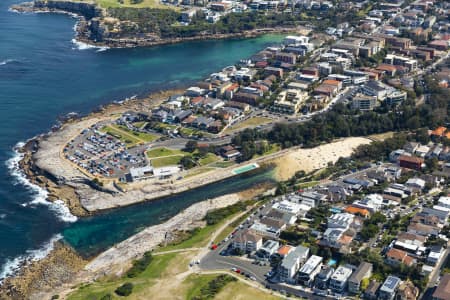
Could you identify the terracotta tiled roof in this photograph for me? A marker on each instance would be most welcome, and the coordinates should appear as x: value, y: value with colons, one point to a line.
x: 284, y: 250
x: 356, y: 210
x: 396, y: 254
x: 439, y: 131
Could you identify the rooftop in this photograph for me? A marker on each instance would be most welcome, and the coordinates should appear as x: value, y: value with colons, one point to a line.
x: 311, y: 264
x: 361, y: 272
x: 284, y: 250
x: 293, y: 256
x: 390, y: 284
x: 341, y: 274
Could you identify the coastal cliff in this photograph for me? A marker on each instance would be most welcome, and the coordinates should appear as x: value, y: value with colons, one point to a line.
x: 87, y: 10
x: 126, y: 28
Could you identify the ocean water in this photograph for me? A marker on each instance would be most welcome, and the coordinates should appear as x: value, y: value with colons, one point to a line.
x: 44, y: 74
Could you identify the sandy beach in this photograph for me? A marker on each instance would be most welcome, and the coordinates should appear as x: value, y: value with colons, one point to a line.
x: 315, y: 158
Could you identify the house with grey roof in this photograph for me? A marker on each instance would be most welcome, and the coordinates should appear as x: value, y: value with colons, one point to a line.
x: 364, y: 270
x: 291, y: 263
x: 247, y: 241
x: 389, y: 288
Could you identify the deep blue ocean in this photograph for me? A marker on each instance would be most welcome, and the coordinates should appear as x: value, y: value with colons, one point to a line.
x: 43, y: 75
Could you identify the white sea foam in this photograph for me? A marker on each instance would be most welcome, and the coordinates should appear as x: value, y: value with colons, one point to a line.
x: 12, y: 10
x: 6, y: 61
x: 2, y: 216
x: 40, y: 194
x: 12, y: 266
x: 84, y: 46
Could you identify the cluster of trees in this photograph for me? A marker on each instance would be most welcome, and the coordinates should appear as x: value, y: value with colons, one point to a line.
x: 140, y: 265
x: 318, y: 215
x: 297, y: 237
x: 371, y: 226
x: 217, y: 215
x: 163, y: 22
x: 342, y: 121
x: 149, y: 20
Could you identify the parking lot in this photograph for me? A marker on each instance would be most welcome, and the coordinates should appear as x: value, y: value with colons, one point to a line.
x: 102, y: 154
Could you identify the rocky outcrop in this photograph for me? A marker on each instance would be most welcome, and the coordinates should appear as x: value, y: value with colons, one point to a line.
x: 87, y: 10
x: 43, y: 276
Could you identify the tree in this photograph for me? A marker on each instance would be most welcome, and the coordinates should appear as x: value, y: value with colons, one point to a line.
x: 432, y: 164
x: 364, y: 283
x: 187, y: 162
x: 281, y: 189
x: 125, y: 289
x: 422, y: 136
x: 190, y: 146
x: 369, y: 231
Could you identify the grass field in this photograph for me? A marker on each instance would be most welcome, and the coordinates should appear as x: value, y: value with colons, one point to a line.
x: 162, y: 152
x: 309, y: 184
x: 160, y: 279
x: 200, y: 170
x: 223, y: 164
x: 145, y: 137
x: 208, y: 159
x: 98, y: 289
x: 129, y: 3
x: 196, y: 282
x: 161, y: 157
x: 125, y: 138
x: 129, y: 137
x: 166, y: 161
x: 165, y: 157
x: 255, y: 121
x: 241, y: 291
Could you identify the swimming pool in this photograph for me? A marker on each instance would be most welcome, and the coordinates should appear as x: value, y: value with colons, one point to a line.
x: 331, y: 262
x: 245, y: 168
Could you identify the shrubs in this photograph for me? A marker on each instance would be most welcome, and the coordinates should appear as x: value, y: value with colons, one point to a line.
x: 217, y: 215
x: 140, y: 265
x: 125, y: 289
x: 213, y: 287
x: 106, y: 297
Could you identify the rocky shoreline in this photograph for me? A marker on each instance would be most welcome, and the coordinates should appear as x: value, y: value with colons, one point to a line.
x: 45, y: 275
x: 134, y: 42
x: 63, y: 269
x: 90, y: 28
x: 56, y: 189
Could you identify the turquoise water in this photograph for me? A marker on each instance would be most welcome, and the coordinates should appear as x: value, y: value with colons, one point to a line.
x: 331, y: 262
x: 44, y: 75
x: 91, y: 235
x: 245, y: 169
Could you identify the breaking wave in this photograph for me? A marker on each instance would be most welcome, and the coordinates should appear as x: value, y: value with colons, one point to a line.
x: 40, y: 195
x: 6, y: 61
x: 12, y: 266
x: 84, y: 46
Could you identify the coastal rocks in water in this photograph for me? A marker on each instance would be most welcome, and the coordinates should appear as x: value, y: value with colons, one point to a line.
x: 47, y: 181
x: 43, y: 276
x: 87, y: 10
